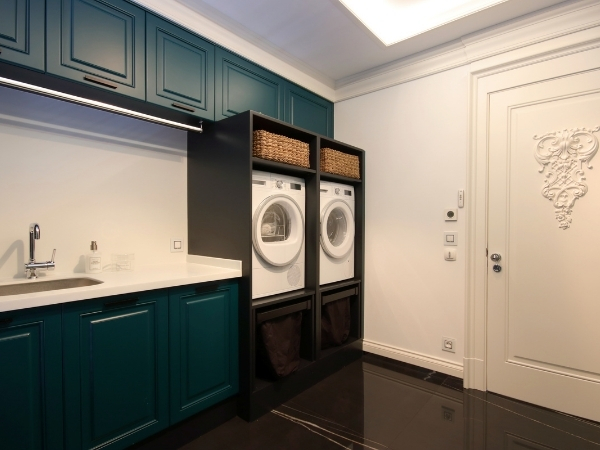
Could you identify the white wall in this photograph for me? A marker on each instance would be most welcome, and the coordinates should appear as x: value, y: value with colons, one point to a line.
x: 416, y: 140
x: 86, y: 175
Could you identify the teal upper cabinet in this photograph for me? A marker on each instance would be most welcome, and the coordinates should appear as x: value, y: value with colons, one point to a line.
x: 98, y: 43
x: 204, y: 347
x: 241, y: 86
x: 115, y: 370
x: 307, y: 110
x: 180, y: 69
x: 22, y: 32
x: 31, y: 380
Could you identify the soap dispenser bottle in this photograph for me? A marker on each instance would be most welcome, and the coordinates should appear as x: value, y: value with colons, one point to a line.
x: 93, y: 260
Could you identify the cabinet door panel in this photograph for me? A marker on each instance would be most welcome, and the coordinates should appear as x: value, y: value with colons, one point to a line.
x: 180, y: 69
x: 203, y: 349
x: 22, y: 34
x: 309, y: 111
x: 120, y: 378
x: 116, y: 362
x: 30, y: 381
x: 241, y: 86
x: 22, y: 387
x: 104, y: 40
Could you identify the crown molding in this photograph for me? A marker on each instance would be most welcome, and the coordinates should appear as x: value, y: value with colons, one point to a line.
x: 573, y: 23
x: 238, y: 41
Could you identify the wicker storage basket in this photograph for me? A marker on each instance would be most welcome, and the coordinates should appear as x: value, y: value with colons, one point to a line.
x: 339, y: 163
x: 280, y: 148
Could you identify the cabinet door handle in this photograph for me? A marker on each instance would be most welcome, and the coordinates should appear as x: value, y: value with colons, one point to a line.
x: 207, y: 287
x: 184, y: 107
x: 100, y: 81
x: 125, y: 301
x: 6, y: 321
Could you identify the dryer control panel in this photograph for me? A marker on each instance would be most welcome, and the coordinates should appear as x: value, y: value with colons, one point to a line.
x: 276, y: 182
x: 329, y: 189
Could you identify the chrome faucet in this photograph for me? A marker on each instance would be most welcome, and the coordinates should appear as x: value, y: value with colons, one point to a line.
x: 32, y: 266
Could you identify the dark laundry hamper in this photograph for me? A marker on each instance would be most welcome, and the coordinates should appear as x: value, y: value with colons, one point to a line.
x: 279, y: 345
x: 335, y: 323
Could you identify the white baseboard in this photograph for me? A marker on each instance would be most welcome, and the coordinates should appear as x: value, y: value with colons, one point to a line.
x: 418, y: 359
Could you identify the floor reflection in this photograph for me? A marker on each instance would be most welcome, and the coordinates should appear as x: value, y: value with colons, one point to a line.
x: 377, y: 403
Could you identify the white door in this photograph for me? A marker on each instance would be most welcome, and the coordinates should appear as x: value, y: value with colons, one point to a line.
x: 544, y: 222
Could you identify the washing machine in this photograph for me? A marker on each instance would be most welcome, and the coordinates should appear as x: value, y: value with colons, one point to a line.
x: 278, y: 211
x: 337, y: 232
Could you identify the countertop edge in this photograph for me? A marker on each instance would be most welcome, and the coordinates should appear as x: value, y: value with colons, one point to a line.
x: 121, y: 283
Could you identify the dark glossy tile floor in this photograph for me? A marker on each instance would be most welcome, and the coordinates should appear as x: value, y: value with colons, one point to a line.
x: 377, y: 403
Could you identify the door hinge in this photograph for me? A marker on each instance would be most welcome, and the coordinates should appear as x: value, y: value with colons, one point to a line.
x: 486, y: 252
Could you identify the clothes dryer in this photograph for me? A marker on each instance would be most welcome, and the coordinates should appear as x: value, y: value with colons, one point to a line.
x: 278, y: 211
x: 337, y: 232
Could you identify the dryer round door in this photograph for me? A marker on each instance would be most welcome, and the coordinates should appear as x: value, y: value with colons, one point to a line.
x: 278, y: 230
x: 337, y: 229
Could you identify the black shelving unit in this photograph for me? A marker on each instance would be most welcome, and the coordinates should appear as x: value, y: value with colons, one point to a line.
x: 220, y: 165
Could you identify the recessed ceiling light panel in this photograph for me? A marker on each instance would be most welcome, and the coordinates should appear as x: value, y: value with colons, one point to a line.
x: 393, y: 21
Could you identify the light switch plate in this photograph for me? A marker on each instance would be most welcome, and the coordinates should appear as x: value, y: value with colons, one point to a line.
x: 450, y: 238
x: 176, y: 245
x: 449, y: 254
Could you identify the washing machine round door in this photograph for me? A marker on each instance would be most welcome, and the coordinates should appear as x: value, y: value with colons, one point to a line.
x: 337, y: 229
x: 278, y: 230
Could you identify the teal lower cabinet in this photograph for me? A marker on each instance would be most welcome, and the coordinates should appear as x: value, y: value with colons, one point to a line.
x: 203, y: 347
x: 110, y: 372
x: 307, y: 110
x: 115, y: 370
x: 31, y: 380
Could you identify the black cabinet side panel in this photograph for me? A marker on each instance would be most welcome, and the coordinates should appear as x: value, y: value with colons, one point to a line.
x: 219, y: 193
x: 220, y: 214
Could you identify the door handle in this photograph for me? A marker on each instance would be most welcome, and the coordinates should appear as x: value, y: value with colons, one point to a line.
x: 496, y: 258
x: 184, y: 107
x: 100, y: 81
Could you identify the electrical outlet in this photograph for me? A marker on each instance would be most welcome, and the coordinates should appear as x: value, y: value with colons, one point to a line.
x: 447, y: 414
x: 176, y: 245
x: 449, y: 345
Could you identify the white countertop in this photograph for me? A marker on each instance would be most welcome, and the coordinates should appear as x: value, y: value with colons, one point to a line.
x: 197, y: 269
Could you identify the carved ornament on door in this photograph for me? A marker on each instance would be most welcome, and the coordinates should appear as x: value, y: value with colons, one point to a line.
x: 561, y: 154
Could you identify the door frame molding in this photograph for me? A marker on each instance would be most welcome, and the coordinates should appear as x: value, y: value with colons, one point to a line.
x: 482, y: 84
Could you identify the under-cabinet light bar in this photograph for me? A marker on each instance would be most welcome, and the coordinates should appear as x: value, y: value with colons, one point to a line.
x: 97, y: 105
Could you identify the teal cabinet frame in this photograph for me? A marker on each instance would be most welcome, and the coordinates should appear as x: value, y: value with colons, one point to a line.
x: 241, y: 86
x: 99, y: 43
x: 22, y: 33
x: 180, y: 68
x: 307, y: 110
x: 115, y: 370
x: 203, y: 347
x: 31, y: 401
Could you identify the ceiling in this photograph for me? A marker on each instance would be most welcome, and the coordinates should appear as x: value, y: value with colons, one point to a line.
x: 325, y: 40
